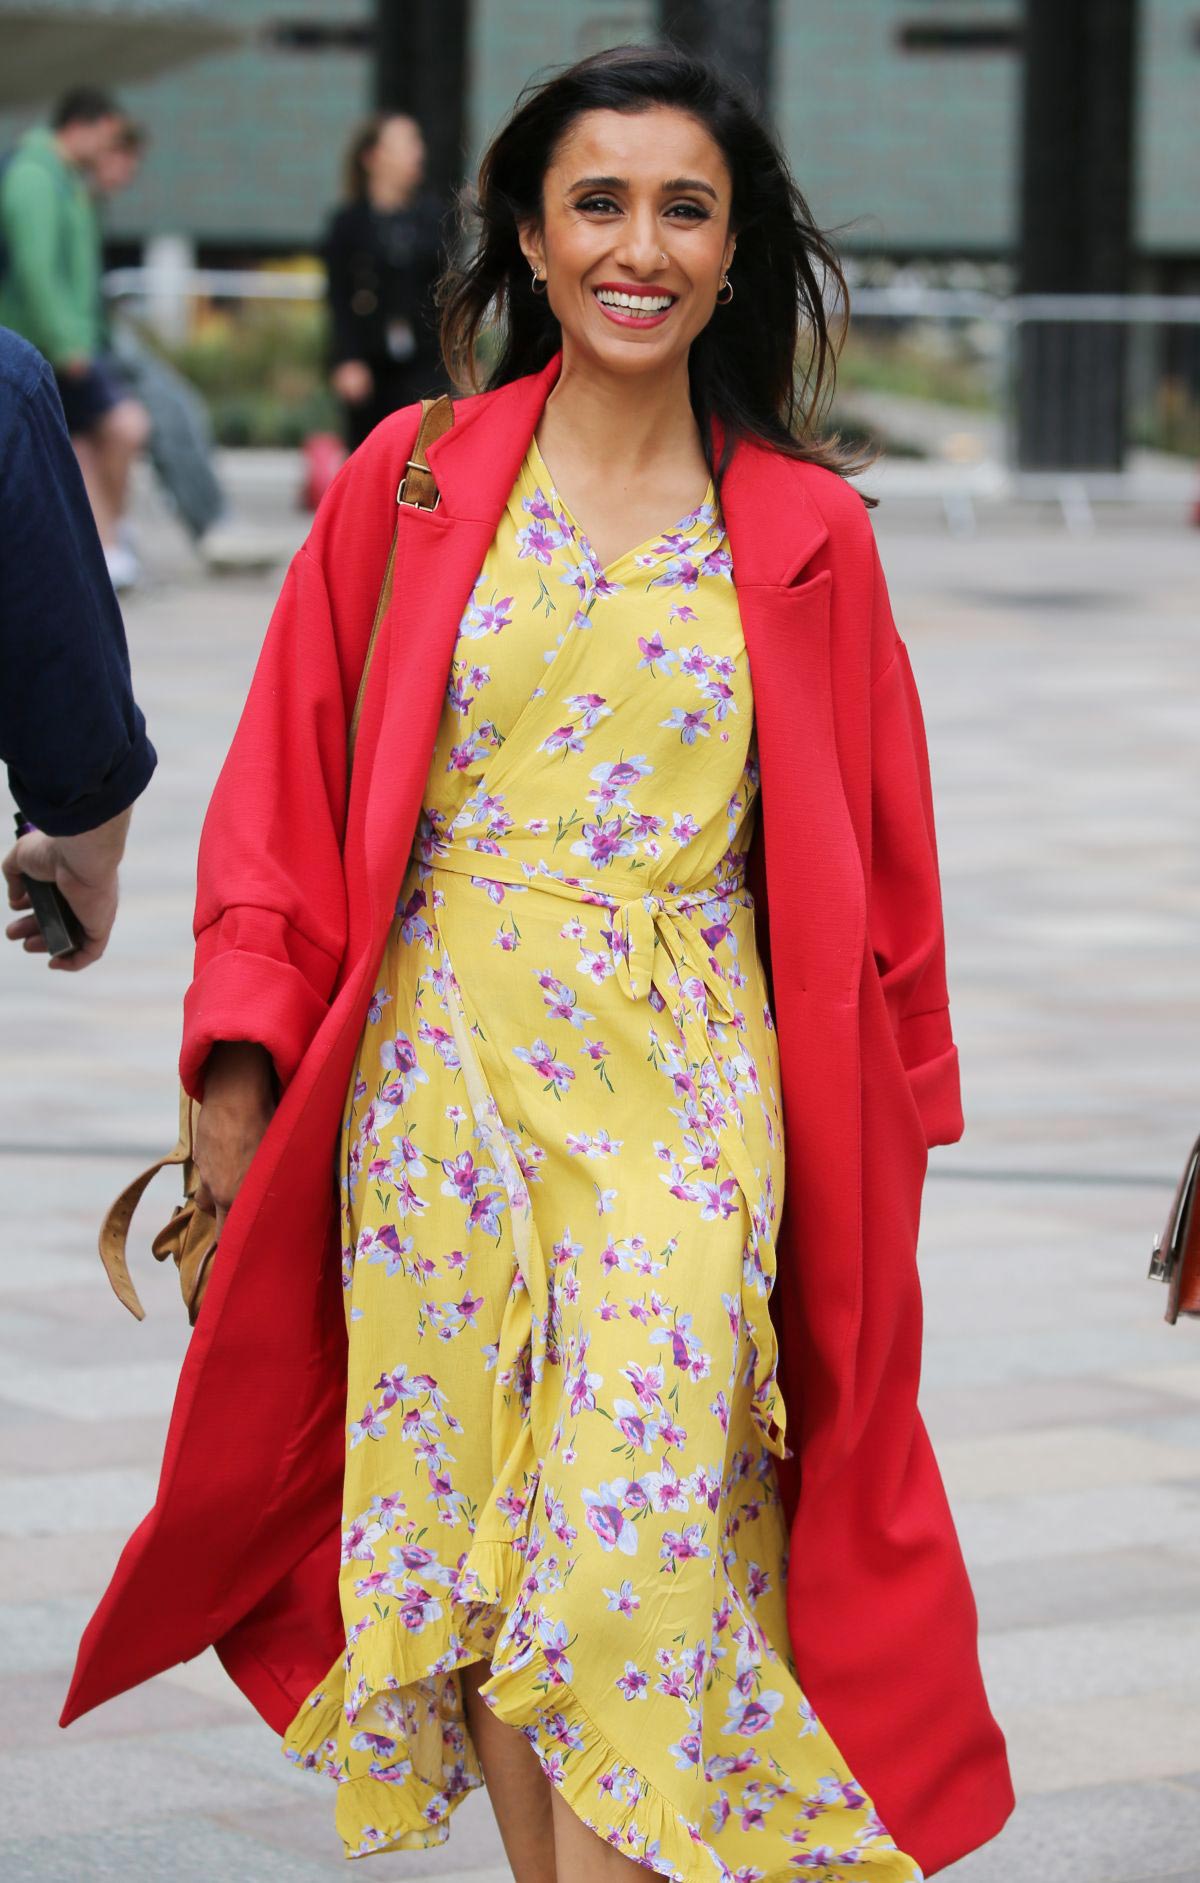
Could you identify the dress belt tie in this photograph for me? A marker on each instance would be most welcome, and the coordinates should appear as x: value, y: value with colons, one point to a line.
x: 639, y: 921
x: 643, y: 927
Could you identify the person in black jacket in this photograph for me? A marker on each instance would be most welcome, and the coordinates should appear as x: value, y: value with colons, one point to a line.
x: 383, y: 254
x: 71, y: 733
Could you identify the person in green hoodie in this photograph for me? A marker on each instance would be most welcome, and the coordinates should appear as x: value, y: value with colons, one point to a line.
x: 50, y: 294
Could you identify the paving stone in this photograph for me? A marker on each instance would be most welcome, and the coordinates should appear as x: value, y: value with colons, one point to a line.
x: 1038, y: 1353
x: 1007, y: 1530
x: 34, y: 1445
x: 306, y: 1827
x: 102, y: 1391
x: 1072, y: 1743
x: 1082, y: 1587
x: 35, y: 1572
x: 40, y: 1636
x: 30, y: 1703
x: 1094, y: 1660
x: 1062, y: 1458
x: 1115, y: 1833
x: 964, y: 1412
x: 184, y: 1848
x: 97, y: 1784
x: 1183, y: 1378
x: 64, y: 1502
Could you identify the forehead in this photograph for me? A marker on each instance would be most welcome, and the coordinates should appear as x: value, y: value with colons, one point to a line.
x: 645, y: 146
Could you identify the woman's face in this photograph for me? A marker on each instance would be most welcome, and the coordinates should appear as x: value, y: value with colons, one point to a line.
x: 397, y: 158
x: 635, y: 203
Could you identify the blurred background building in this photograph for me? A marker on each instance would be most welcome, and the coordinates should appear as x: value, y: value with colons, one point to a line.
x: 900, y: 116
x: 915, y: 128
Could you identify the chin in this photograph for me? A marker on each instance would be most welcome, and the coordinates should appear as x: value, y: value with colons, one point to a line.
x: 633, y: 356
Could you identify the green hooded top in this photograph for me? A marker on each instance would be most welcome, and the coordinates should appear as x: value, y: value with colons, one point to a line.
x: 49, y: 252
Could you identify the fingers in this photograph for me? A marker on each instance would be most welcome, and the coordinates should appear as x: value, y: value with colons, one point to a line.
x: 36, y: 855
x: 80, y: 958
x: 18, y: 897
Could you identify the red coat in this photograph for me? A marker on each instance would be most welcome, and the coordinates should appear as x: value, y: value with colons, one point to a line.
x: 242, y: 1546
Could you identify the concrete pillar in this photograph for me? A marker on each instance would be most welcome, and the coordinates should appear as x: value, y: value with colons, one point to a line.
x: 171, y: 257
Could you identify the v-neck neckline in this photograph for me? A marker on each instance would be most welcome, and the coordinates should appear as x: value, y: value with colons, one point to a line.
x: 708, y: 501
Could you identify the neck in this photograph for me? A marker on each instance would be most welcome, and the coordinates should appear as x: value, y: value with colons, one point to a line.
x: 65, y: 148
x: 387, y: 196
x: 629, y: 422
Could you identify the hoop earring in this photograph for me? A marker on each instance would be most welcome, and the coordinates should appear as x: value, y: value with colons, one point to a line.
x: 536, y: 278
x: 723, y: 298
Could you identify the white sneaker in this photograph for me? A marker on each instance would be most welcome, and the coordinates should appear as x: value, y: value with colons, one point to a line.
x: 233, y: 547
x: 124, y: 569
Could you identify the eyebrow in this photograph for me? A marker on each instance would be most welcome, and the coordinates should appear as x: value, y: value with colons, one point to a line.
x: 622, y: 183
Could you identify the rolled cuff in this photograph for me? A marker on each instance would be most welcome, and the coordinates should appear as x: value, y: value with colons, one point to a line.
x: 118, y: 791
x: 242, y: 995
x: 930, y: 1059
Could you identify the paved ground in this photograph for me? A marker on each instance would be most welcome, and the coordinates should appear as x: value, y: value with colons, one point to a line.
x: 1062, y: 694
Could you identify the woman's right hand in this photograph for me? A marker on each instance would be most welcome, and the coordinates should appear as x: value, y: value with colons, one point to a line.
x: 353, y: 381
x: 240, y: 1096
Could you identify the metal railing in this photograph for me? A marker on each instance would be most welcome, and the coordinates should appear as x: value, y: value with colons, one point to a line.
x: 160, y: 288
x: 1013, y: 311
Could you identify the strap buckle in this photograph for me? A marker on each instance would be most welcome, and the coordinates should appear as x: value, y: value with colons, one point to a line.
x: 414, y: 465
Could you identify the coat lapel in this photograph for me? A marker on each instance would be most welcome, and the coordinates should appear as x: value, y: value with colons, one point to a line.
x: 439, y: 554
x: 817, y: 898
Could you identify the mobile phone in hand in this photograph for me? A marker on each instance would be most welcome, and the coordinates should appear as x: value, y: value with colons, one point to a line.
x: 57, y: 921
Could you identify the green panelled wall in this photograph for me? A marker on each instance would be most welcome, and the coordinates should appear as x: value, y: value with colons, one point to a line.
x: 1168, y: 168
x: 246, y: 145
x: 513, y: 39
x: 909, y: 152
x: 914, y: 150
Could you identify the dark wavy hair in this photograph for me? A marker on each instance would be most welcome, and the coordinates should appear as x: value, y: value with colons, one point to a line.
x: 744, y: 365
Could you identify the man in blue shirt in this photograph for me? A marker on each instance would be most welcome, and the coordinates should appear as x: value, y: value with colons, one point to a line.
x: 71, y: 734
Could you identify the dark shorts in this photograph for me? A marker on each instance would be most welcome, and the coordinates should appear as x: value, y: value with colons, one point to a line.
x: 86, y: 398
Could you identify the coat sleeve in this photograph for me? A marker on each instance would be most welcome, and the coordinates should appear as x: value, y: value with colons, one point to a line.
x: 71, y: 733
x: 271, y: 902
x: 905, y: 922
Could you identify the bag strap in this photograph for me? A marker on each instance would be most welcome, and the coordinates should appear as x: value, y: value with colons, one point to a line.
x: 418, y: 487
x: 114, y: 1230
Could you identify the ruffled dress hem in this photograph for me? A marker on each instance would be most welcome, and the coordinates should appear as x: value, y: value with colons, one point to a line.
x: 527, y: 1693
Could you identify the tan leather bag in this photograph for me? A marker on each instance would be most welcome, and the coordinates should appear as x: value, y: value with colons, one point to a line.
x: 190, y: 1237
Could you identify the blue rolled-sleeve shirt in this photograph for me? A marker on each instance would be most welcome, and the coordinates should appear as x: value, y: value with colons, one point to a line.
x: 71, y: 733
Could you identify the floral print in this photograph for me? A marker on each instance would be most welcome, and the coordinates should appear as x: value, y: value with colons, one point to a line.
x: 561, y: 1172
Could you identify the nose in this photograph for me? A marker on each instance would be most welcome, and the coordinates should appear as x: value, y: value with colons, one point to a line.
x: 641, y: 247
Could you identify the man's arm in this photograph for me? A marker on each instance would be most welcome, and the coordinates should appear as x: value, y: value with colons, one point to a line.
x: 71, y: 733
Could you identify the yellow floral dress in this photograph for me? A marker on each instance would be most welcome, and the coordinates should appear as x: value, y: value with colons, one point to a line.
x: 562, y: 1171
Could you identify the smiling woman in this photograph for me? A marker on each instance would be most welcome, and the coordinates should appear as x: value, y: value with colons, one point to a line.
x: 578, y: 1452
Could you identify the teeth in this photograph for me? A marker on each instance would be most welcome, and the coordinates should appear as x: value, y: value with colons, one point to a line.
x: 637, y: 303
